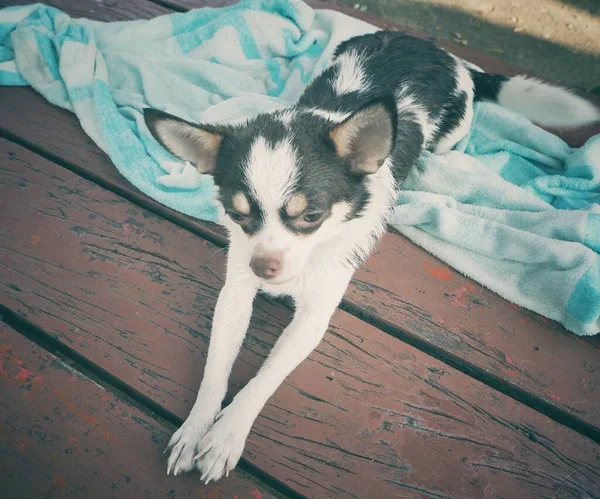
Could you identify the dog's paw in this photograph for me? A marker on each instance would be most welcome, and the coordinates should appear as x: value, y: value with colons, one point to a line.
x: 184, y: 444
x: 221, y: 448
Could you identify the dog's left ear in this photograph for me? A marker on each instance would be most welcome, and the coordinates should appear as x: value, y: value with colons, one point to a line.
x: 367, y: 137
x: 197, y: 144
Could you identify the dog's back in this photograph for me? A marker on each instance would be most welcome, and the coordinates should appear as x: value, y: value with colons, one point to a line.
x: 384, y: 64
x: 433, y: 89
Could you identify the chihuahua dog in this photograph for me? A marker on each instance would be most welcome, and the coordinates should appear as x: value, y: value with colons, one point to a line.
x: 306, y: 193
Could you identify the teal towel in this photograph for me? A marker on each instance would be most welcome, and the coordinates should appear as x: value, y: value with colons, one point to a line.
x: 513, y: 207
x: 518, y: 211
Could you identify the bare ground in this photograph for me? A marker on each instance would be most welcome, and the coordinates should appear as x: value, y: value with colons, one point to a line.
x: 556, y: 39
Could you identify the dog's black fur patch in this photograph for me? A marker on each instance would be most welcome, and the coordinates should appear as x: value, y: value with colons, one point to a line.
x: 394, y: 61
x: 487, y: 86
x: 323, y: 177
x: 393, y: 64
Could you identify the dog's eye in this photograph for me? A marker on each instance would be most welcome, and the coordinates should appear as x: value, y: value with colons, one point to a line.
x: 236, y: 217
x: 311, y: 218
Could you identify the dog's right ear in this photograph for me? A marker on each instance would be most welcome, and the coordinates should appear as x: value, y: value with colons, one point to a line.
x: 194, y: 143
x: 367, y: 137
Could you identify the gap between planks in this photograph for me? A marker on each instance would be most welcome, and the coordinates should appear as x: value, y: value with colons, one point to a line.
x: 63, y: 411
x: 209, y: 232
x: 127, y: 393
x: 375, y: 341
x: 214, y: 235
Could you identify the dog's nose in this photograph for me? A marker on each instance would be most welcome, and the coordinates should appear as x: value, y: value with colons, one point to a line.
x: 267, y: 266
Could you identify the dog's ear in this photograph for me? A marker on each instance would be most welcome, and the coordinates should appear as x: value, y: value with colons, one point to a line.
x: 197, y: 144
x: 367, y: 137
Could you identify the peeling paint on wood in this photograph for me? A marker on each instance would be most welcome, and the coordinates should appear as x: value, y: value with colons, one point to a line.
x: 95, y: 286
x: 479, y: 328
x: 55, y: 444
x: 462, y: 318
x: 364, y: 404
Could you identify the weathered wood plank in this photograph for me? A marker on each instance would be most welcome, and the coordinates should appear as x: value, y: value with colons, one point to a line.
x: 434, y: 304
x: 366, y: 415
x: 62, y: 435
x: 102, y: 10
x: 487, y: 338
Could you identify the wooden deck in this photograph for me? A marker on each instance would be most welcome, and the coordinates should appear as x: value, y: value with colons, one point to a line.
x: 426, y: 385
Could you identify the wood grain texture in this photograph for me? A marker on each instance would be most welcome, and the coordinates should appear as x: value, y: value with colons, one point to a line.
x: 408, y: 290
x: 365, y: 416
x: 63, y: 435
x: 101, y: 10
x: 550, y: 364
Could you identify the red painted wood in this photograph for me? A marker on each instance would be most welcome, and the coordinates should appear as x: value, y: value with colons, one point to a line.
x: 102, y: 10
x: 433, y: 303
x: 366, y: 415
x: 63, y: 435
x: 563, y: 372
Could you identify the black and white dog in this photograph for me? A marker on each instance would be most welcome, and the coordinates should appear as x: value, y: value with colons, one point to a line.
x: 307, y: 192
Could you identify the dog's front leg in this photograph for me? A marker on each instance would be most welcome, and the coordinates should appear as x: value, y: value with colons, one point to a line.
x: 230, y: 323
x: 222, y: 447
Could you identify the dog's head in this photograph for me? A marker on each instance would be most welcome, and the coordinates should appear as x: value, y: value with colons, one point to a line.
x: 288, y: 180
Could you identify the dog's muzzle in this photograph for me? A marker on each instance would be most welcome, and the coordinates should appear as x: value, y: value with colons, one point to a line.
x: 267, y: 266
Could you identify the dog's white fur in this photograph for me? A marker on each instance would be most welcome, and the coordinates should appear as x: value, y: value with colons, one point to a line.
x: 351, y: 76
x: 407, y: 104
x: 546, y: 105
x: 333, y: 116
x: 316, y: 268
x: 464, y: 83
x: 317, y: 286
